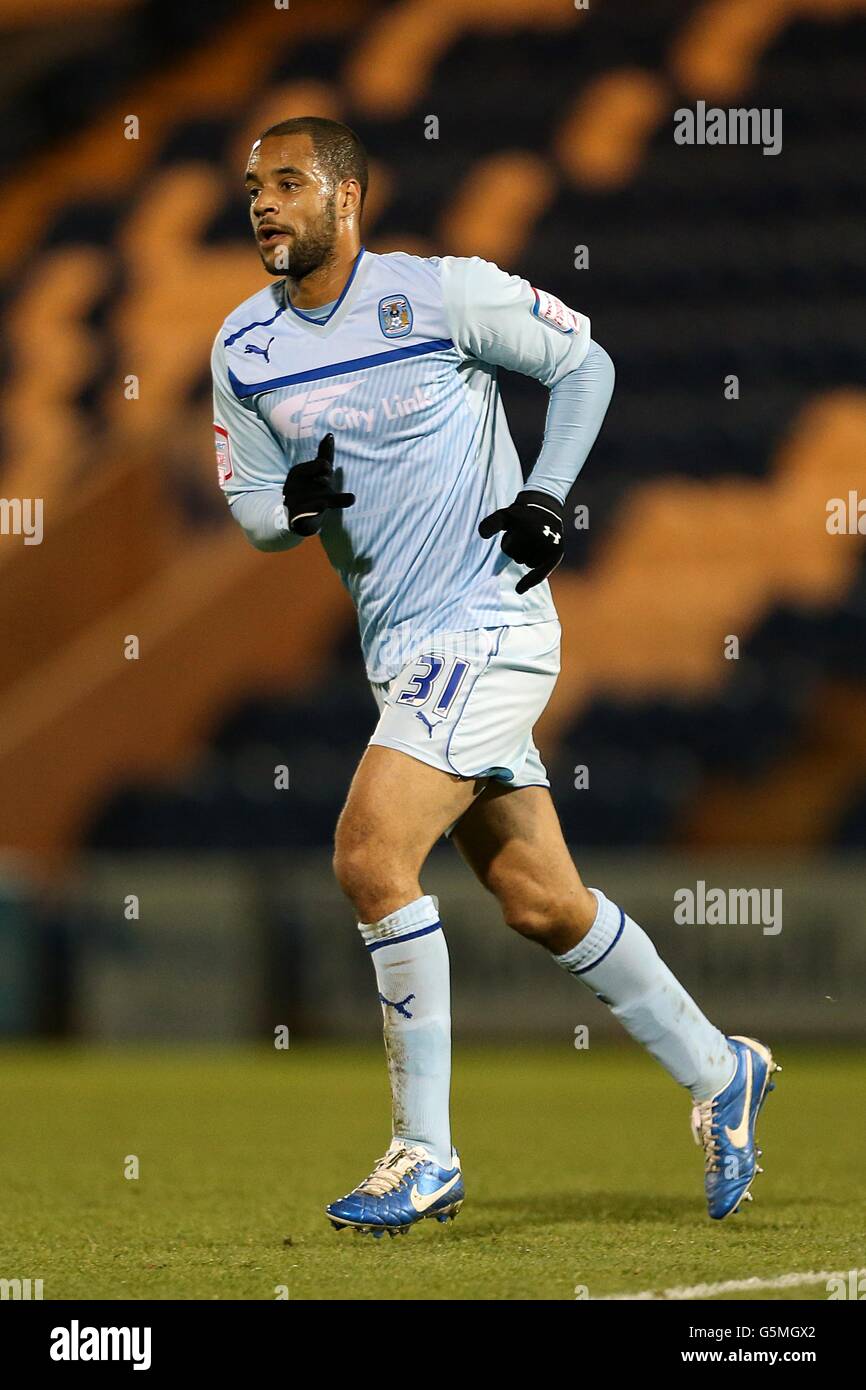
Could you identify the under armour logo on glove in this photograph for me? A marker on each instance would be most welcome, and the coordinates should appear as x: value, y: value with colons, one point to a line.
x: 529, y: 537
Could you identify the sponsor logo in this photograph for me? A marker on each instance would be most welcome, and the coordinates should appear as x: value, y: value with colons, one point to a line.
x: 305, y: 414
x: 223, y: 454
x: 552, y: 310
x: 297, y: 417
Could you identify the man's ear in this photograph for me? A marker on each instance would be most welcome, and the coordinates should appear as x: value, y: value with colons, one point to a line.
x: 349, y: 197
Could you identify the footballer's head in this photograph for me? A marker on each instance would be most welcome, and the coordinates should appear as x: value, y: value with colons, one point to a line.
x: 306, y: 181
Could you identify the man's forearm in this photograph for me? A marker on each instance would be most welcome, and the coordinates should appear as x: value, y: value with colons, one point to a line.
x: 577, y: 407
x: 262, y: 515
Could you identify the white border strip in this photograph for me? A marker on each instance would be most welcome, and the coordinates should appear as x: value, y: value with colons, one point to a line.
x: 782, y: 1281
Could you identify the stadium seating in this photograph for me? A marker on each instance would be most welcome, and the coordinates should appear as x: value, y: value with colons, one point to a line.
x: 707, y: 514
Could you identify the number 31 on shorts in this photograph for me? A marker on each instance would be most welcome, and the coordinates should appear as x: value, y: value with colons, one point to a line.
x: 427, y: 671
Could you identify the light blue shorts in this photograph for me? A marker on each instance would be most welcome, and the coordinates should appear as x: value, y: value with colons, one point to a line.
x: 467, y: 704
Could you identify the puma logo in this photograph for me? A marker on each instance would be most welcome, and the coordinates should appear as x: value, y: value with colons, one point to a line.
x: 400, y: 1005
x: 263, y: 352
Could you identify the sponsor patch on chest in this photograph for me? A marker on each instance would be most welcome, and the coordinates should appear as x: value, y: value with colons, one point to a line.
x: 554, y: 312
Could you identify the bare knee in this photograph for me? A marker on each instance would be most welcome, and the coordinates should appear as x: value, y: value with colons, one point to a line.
x: 374, y: 883
x: 355, y: 869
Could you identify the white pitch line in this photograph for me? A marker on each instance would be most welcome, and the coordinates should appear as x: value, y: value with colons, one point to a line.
x: 781, y: 1281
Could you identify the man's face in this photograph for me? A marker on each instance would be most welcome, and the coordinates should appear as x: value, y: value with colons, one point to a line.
x: 292, y: 205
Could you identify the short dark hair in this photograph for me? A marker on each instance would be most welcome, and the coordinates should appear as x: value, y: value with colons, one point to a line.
x: 336, y: 147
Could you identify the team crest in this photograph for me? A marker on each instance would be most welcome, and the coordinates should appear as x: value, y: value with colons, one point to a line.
x: 395, y: 316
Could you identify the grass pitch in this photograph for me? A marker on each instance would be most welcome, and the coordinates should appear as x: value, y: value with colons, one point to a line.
x: 580, y: 1170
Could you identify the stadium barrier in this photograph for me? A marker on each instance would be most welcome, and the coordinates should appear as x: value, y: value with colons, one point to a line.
x: 213, y: 948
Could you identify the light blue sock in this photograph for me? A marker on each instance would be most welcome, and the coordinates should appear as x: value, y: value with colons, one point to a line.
x: 619, y: 963
x: 411, y: 962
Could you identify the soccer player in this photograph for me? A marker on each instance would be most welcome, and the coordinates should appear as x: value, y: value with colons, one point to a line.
x: 356, y: 399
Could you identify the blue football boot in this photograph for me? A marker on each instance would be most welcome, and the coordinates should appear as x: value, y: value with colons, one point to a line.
x: 405, y: 1186
x: 725, y: 1127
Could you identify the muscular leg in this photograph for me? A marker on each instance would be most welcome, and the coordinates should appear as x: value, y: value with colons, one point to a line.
x: 513, y: 842
x: 396, y: 809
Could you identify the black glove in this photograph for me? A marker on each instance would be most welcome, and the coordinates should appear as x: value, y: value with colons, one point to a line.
x: 309, y: 491
x: 533, y: 534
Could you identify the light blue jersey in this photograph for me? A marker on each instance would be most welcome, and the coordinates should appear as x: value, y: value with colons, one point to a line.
x: 402, y: 371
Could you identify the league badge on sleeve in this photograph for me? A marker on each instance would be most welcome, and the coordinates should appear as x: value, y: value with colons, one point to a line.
x: 223, y: 454
x: 395, y: 316
x: 554, y: 312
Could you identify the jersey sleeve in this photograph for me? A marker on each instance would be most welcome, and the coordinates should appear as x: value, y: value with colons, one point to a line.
x: 251, y: 465
x: 501, y: 319
x: 576, y: 409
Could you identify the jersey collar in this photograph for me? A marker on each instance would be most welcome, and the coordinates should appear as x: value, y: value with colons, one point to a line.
x: 321, y: 323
